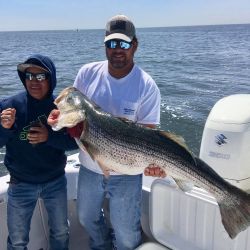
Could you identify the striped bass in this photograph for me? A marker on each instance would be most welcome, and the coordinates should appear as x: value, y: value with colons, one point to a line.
x: 128, y: 148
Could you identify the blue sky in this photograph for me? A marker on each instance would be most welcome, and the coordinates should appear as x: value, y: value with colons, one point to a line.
x: 91, y: 14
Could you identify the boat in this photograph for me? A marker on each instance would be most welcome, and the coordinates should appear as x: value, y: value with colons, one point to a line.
x: 171, y: 219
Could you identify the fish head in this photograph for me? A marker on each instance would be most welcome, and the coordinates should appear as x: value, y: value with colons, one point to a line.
x: 69, y: 103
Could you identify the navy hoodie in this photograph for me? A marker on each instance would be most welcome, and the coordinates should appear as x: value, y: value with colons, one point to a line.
x: 44, y: 161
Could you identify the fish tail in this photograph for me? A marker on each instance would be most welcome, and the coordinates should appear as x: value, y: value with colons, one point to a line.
x: 234, y: 203
x: 235, y: 212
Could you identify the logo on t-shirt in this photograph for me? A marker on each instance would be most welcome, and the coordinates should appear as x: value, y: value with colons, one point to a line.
x: 128, y: 111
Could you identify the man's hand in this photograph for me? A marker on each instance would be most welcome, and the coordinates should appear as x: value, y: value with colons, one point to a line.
x: 155, y: 171
x: 8, y: 117
x: 53, y: 117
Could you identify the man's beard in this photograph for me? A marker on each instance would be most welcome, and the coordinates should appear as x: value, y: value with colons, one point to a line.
x: 118, y: 63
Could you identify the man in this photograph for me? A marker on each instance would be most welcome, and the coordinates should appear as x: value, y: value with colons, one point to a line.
x: 35, y: 155
x: 122, y: 88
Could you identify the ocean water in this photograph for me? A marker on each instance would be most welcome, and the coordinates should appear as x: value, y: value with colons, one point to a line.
x: 194, y: 67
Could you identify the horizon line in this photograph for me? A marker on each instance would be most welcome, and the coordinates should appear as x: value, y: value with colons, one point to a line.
x: 79, y: 29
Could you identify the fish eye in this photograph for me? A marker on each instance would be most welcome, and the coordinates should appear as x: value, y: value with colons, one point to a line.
x: 70, y: 99
x: 74, y: 100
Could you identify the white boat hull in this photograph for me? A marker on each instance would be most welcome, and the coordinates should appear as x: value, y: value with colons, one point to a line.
x: 170, y: 217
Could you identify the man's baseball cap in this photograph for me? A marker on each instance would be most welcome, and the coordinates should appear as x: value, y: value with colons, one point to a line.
x: 120, y: 27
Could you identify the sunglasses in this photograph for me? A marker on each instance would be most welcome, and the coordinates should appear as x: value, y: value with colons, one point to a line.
x: 112, y: 44
x: 38, y: 76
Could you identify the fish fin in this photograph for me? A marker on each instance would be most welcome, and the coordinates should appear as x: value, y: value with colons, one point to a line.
x: 86, y: 148
x: 80, y: 141
x: 85, y: 129
x: 104, y: 168
x: 184, y: 185
x: 91, y: 150
x: 80, y: 145
x: 176, y: 138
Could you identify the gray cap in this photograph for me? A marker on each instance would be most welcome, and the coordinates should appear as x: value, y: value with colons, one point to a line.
x: 120, y: 27
x: 24, y: 66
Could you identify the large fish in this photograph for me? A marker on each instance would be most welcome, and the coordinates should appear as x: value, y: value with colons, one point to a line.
x: 128, y: 148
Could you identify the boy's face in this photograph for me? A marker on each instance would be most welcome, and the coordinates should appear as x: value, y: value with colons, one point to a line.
x: 37, y: 82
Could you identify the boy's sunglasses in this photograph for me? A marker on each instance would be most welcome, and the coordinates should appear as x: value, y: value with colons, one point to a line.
x: 112, y: 44
x: 38, y: 76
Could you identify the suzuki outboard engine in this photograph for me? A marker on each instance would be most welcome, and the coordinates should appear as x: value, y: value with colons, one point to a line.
x: 225, y: 144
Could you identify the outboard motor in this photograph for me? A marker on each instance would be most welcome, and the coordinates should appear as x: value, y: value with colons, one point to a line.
x: 225, y: 144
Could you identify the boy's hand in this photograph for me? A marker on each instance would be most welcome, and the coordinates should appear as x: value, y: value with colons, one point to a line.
x: 53, y: 117
x: 8, y: 117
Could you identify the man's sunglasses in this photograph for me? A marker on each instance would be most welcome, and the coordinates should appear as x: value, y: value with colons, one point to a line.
x: 38, y: 76
x: 112, y: 44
